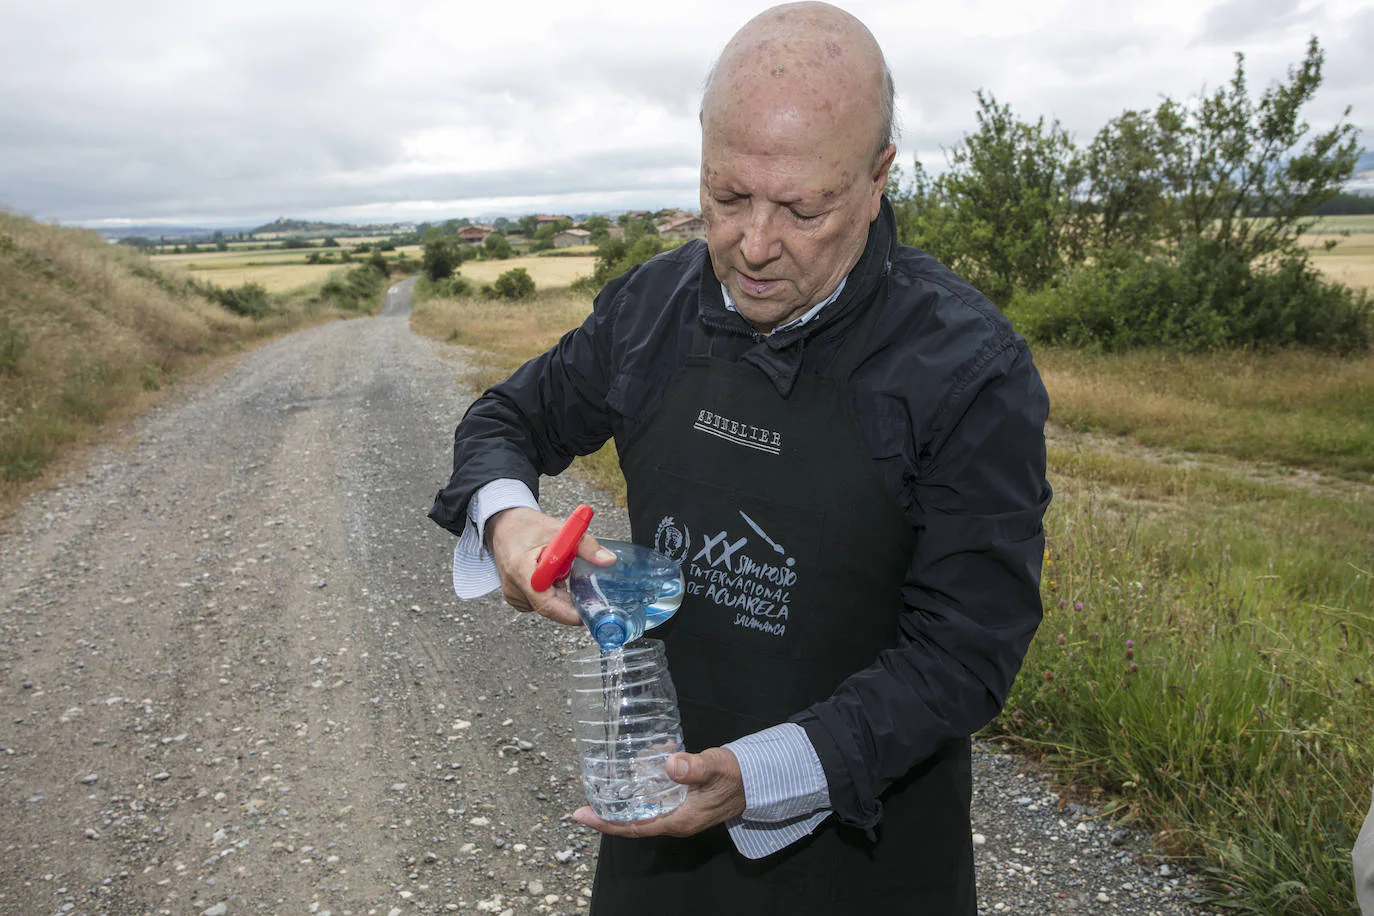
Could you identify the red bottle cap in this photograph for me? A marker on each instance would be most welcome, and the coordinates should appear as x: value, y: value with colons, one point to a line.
x: 556, y: 561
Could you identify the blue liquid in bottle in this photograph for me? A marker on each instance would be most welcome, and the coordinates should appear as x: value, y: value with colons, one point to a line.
x: 618, y: 603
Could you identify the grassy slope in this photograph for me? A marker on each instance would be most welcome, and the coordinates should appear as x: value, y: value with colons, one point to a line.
x: 1244, y: 733
x: 88, y: 330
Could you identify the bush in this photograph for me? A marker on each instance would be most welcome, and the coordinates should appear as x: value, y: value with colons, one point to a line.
x: 379, y: 264
x: 249, y: 300
x: 1200, y: 298
x: 354, y: 290
x: 497, y: 246
x: 513, y: 284
x: 615, y: 256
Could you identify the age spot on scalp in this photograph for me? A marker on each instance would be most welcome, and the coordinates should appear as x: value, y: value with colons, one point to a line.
x: 833, y: 49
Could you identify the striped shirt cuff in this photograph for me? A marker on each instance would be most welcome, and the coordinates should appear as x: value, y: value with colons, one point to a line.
x: 474, y: 569
x: 785, y: 792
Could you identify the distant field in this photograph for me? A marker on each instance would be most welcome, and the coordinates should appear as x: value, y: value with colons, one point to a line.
x: 547, y: 272
x: 1363, y: 222
x: 1351, y: 261
x: 278, y: 270
x: 280, y: 279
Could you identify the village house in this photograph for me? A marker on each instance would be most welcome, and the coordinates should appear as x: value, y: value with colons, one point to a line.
x: 474, y: 235
x: 683, y: 228
x: 569, y: 237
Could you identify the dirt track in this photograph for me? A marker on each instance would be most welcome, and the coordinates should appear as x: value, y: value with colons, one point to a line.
x: 233, y: 677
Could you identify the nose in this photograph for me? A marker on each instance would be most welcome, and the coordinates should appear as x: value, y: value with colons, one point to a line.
x: 759, y: 244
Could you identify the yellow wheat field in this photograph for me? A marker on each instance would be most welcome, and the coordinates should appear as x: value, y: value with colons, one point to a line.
x: 547, y: 272
x: 275, y: 278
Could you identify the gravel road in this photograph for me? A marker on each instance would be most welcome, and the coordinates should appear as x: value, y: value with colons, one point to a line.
x: 235, y: 680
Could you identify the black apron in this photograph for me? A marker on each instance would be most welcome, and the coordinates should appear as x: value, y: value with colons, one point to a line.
x: 794, y: 557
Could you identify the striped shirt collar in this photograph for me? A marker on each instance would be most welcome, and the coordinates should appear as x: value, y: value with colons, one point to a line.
x: 800, y: 319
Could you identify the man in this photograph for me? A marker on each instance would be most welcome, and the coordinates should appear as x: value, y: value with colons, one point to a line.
x: 843, y: 444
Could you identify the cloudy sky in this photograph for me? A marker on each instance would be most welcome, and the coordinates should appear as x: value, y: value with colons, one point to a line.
x: 231, y: 113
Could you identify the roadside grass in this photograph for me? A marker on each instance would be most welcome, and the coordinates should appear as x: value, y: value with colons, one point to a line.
x: 1204, y: 667
x: 503, y: 336
x: 1301, y: 409
x: 1244, y: 734
x: 91, y: 332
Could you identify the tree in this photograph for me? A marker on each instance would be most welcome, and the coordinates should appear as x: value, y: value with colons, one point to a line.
x: 497, y: 246
x: 593, y: 223
x: 1229, y: 160
x: 439, y: 260
x: 1003, y: 216
x: 1126, y: 206
x: 529, y: 225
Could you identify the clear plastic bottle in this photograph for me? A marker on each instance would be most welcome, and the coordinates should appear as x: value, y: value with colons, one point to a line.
x: 619, y: 602
x: 625, y: 711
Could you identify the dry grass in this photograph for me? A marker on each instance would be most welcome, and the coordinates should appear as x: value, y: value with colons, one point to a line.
x: 1299, y: 409
x: 506, y: 333
x: 547, y: 272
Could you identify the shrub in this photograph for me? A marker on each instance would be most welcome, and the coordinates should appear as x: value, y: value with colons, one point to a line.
x: 615, y: 256
x: 497, y: 246
x: 1197, y: 298
x: 379, y: 264
x: 354, y: 290
x: 513, y: 284
x: 249, y: 300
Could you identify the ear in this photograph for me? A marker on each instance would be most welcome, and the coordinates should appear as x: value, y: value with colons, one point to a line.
x: 881, y: 166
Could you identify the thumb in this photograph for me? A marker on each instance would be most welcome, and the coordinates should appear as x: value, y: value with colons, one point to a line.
x: 686, y: 769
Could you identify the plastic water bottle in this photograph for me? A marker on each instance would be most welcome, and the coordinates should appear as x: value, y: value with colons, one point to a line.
x: 625, y: 711
x: 618, y: 603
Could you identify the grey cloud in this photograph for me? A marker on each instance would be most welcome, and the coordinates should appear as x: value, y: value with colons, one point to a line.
x: 1235, y: 20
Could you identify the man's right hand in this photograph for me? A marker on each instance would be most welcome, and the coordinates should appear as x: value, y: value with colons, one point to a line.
x: 517, y: 536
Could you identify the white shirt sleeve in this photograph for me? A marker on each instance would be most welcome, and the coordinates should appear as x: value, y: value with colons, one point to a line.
x: 785, y: 792
x: 474, y: 569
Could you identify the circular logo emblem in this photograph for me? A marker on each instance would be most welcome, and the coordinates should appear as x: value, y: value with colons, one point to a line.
x: 672, y: 541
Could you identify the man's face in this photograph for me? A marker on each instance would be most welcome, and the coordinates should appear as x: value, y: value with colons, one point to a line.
x: 787, y: 203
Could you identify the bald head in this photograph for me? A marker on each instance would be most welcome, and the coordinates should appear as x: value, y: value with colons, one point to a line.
x: 809, y: 64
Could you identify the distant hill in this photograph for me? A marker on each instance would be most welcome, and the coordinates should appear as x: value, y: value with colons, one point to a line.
x: 283, y: 225
x: 156, y: 232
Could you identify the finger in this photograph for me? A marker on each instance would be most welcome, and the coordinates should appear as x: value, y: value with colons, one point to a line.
x: 555, y: 605
x: 591, y: 550
x: 653, y: 827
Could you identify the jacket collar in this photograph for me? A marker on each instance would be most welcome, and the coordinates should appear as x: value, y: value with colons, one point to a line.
x: 779, y: 355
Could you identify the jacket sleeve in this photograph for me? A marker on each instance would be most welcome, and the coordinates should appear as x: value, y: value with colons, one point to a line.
x: 971, y: 595
x: 552, y: 409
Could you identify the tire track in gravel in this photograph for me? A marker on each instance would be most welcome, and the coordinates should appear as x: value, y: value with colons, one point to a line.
x: 234, y: 678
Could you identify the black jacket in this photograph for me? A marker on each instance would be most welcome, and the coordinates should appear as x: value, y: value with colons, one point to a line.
x: 952, y: 411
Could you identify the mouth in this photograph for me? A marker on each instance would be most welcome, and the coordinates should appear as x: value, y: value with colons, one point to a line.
x: 754, y: 287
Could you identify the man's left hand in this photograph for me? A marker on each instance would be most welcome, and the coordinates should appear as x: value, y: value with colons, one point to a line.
x: 715, y: 793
